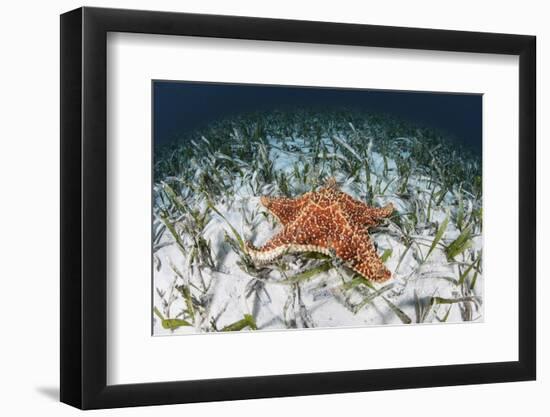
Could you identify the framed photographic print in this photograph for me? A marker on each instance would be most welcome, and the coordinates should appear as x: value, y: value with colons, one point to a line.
x: 257, y: 207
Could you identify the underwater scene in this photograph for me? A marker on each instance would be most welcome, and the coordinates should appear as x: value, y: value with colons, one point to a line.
x: 280, y: 207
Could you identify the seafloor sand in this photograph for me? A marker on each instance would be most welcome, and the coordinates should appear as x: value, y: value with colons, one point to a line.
x: 201, y: 277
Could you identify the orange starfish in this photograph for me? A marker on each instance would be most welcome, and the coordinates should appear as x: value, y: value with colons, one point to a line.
x: 326, y: 221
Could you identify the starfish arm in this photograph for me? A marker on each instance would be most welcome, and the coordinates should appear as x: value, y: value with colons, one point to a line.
x: 283, y: 242
x: 357, y: 250
x: 361, y: 213
x: 382, y: 212
x: 285, y: 209
x: 280, y: 239
x: 303, y: 230
x: 310, y: 231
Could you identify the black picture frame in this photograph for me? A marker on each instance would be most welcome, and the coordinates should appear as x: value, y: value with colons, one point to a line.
x: 84, y: 207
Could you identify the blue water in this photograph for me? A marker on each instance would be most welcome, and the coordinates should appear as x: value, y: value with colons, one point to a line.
x: 180, y: 107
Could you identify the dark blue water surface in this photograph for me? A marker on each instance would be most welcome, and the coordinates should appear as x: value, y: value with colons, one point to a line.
x: 180, y: 107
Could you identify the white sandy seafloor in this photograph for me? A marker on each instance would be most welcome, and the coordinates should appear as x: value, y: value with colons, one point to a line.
x: 223, y: 293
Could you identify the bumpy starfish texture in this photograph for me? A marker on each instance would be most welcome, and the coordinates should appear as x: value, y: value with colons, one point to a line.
x: 327, y: 221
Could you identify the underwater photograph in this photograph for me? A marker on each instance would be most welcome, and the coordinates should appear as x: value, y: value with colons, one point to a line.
x: 290, y: 207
